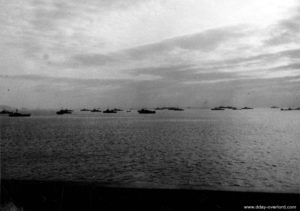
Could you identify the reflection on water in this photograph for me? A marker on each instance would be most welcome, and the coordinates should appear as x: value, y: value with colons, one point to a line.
x: 244, y: 150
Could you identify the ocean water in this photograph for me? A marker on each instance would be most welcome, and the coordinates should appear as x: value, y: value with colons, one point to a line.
x: 249, y: 150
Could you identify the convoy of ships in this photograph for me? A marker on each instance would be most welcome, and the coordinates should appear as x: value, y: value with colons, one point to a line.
x: 221, y: 108
x: 16, y: 113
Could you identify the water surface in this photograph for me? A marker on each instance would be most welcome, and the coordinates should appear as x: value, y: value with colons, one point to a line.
x: 241, y: 150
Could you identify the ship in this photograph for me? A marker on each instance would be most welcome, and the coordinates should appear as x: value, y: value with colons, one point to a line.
x: 64, y: 111
x: 96, y: 110
x: 221, y: 108
x: 146, y: 111
x: 5, y: 112
x: 85, y: 109
x: 286, y: 109
x: 228, y: 107
x: 290, y: 109
x: 274, y: 107
x: 160, y: 108
x: 17, y: 114
x: 175, y: 109
x: 110, y: 111
x: 217, y: 109
x: 169, y: 108
x: 246, y: 108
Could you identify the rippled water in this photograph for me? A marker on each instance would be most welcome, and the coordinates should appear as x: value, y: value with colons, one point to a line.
x: 244, y: 150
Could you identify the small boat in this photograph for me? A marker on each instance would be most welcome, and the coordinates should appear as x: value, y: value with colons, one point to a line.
x: 217, y: 109
x: 60, y: 112
x: 96, y: 110
x: 169, y: 108
x: 175, y: 109
x: 228, y: 107
x: 146, y: 111
x: 274, y: 107
x: 64, y: 111
x: 286, y: 109
x: 246, y: 108
x: 5, y: 112
x: 17, y: 114
x: 110, y: 111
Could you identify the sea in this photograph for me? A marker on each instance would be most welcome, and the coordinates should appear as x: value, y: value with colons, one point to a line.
x: 243, y: 150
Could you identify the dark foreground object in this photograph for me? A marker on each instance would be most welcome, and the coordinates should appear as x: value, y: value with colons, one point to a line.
x: 45, y: 195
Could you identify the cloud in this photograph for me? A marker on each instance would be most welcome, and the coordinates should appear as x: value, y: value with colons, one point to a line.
x: 292, y: 66
x: 68, y: 81
x: 144, y: 50
x: 183, y: 73
x: 46, y: 15
x: 208, y: 40
x: 265, y: 57
x: 95, y: 60
x: 286, y: 31
x: 269, y: 65
x: 205, y: 42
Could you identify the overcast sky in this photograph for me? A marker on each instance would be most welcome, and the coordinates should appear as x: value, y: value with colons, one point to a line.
x: 137, y: 53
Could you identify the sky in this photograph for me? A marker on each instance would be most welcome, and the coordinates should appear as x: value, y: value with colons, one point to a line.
x: 148, y: 53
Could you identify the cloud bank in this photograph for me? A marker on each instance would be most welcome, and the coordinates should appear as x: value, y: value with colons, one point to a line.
x: 156, y: 53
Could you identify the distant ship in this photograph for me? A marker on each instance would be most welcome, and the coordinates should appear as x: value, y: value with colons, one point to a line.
x: 217, y: 109
x: 17, y: 114
x: 170, y: 108
x: 64, y: 111
x: 175, y: 109
x: 146, y: 111
x: 84, y: 109
x: 228, y: 107
x: 290, y: 109
x: 286, y: 109
x: 110, y: 111
x: 5, y: 112
x: 221, y: 108
x: 246, y: 108
x: 96, y: 110
x: 274, y: 107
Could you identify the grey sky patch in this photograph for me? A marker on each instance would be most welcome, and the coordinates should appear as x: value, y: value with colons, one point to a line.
x: 94, y: 60
x: 204, y: 41
x: 286, y: 31
x: 257, y: 59
x: 70, y: 81
x: 183, y: 73
x: 148, y: 52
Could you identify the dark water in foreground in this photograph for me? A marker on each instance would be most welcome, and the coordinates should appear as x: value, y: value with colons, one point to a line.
x: 255, y: 150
